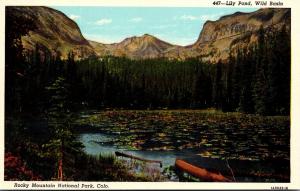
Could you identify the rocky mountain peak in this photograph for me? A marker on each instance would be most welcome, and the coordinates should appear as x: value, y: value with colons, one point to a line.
x: 54, y: 31
x: 57, y: 33
x: 217, y: 37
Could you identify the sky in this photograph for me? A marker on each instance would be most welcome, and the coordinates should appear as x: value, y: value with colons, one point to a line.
x: 176, y: 25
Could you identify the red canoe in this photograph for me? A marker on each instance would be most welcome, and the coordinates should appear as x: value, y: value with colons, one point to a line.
x: 199, y: 172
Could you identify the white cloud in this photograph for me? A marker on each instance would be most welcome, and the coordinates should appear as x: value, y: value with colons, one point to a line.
x: 136, y: 19
x: 201, y: 17
x: 103, y: 21
x: 210, y: 17
x: 74, y: 17
x: 188, y: 17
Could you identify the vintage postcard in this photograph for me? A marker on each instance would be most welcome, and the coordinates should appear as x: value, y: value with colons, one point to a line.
x: 130, y: 95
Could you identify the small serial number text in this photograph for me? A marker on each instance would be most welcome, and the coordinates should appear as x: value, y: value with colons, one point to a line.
x: 279, y: 188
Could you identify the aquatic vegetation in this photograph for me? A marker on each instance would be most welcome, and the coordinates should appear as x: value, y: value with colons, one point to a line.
x: 212, y: 133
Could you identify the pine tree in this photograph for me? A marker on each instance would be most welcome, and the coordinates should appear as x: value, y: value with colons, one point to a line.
x: 246, y: 99
x: 218, y: 86
x: 261, y: 85
x: 228, y: 103
x: 236, y: 81
x: 16, y: 26
x: 62, y: 145
x: 283, y: 52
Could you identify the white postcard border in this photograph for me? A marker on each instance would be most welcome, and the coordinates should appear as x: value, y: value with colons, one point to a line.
x: 295, y: 98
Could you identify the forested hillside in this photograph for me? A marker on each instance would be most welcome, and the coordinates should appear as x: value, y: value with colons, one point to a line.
x: 254, y: 80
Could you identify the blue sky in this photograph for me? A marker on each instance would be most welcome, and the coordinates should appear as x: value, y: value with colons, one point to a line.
x: 176, y: 25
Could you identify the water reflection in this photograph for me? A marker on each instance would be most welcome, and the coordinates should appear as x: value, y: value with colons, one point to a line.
x: 96, y: 143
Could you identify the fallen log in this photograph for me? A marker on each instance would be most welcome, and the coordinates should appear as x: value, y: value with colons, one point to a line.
x: 137, y: 158
x: 199, y: 172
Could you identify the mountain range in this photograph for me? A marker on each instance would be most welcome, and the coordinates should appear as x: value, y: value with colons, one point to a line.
x: 60, y: 35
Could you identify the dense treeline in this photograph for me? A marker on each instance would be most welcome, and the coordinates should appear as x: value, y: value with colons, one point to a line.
x: 120, y: 82
x: 255, y: 79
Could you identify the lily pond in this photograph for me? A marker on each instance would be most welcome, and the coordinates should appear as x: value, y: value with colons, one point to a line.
x: 187, y: 134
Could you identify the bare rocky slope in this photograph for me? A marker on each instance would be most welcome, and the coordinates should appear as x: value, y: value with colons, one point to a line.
x: 59, y: 34
x: 145, y: 46
x: 238, y: 29
x: 53, y: 31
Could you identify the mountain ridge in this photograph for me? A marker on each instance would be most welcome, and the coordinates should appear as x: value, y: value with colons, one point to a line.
x: 54, y: 32
x: 61, y: 35
x: 145, y: 46
x: 217, y: 37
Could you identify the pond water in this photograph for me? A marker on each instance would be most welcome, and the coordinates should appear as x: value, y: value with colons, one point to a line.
x: 100, y: 143
x: 188, y: 134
